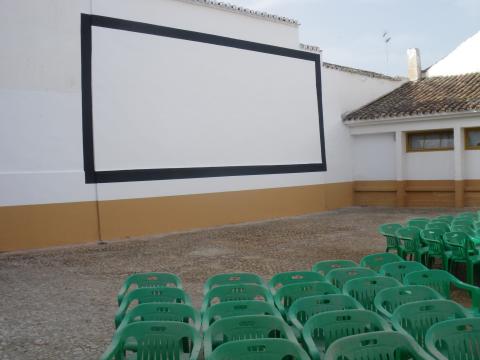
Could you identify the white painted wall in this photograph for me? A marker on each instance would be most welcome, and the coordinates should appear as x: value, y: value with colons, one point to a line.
x: 471, y: 161
x: 41, y: 159
x: 464, y: 59
x: 374, y: 157
x: 431, y: 165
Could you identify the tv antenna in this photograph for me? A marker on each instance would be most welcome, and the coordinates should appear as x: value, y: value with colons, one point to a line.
x: 386, y: 39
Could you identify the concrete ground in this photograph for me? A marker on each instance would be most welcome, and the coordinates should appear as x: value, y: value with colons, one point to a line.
x: 60, y: 303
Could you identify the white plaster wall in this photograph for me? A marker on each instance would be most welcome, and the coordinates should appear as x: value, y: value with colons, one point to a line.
x: 464, y: 59
x: 471, y: 161
x: 374, y: 157
x: 342, y: 93
x: 41, y: 159
x: 430, y: 165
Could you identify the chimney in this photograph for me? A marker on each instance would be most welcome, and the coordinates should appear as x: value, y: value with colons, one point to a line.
x: 414, y: 66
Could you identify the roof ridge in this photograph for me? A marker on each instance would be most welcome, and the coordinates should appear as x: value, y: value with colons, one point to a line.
x: 244, y: 11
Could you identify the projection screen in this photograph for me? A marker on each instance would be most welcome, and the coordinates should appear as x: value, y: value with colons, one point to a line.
x: 164, y: 103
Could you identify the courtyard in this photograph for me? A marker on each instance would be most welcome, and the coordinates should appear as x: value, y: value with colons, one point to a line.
x: 59, y: 303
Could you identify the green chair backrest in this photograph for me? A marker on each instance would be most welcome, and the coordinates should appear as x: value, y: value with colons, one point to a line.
x: 174, y: 340
x: 463, y: 222
x: 418, y: 223
x: 286, y: 295
x: 445, y: 218
x: 415, y: 318
x: 465, y: 229
x: 467, y: 214
x: 160, y: 294
x: 438, y: 225
x: 399, y: 269
x: 433, y: 238
x: 304, y: 308
x: 325, y: 266
x: 231, y: 279
x: 375, y: 261
x: 163, y: 312
x: 292, y: 277
x: 243, y: 328
x: 321, y: 330
x: 237, y: 308
x: 389, y: 231
x: 259, y: 349
x: 387, y: 300
x: 409, y: 237
x: 454, y: 339
x: 365, y: 289
x: 339, y: 277
x: 236, y: 292
x: 458, y: 243
x: 382, y: 345
x: 149, y: 279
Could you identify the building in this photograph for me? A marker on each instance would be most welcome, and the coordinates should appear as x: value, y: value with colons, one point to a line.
x: 419, y: 144
x: 67, y: 179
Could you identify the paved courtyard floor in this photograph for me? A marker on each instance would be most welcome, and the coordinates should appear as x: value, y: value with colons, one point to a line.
x: 60, y: 303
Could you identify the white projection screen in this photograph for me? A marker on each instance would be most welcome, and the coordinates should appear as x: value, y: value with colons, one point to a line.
x: 164, y: 103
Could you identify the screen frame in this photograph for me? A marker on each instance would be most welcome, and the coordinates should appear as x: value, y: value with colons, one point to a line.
x: 111, y: 176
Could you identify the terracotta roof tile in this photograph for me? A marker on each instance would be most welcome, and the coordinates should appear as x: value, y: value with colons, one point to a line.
x: 441, y: 94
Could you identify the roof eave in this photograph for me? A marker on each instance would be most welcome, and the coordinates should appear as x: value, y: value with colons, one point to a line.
x: 410, y: 118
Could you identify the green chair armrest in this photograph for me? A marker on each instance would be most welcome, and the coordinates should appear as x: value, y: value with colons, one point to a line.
x: 120, y: 314
x: 474, y: 293
x: 121, y: 294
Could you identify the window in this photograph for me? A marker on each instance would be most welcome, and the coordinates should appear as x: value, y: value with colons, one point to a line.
x: 434, y: 140
x: 472, y: 139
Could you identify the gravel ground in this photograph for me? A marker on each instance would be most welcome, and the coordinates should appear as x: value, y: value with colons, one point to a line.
x: 60, y: 303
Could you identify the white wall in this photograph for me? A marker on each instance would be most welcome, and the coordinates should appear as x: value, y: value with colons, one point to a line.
x: 374, y: 157
x: 429, y: 165
x: 41, y: 159
x: 471, y: 161
x: 464, y: 59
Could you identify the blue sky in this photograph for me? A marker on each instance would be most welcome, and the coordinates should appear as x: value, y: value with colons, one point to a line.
x: 350, y: 31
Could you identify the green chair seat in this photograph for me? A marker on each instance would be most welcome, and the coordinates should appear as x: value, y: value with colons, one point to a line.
x: 364, y: 289
x: 292, y: 277
x: 174, y: 340
x: 259, y: 349
x: 321, y: 330
x: 375, y: 261
x: 387, y: 300
x: 398, y: 270
x: 237, y: 308
x: 454, y: 339
x: 235, y: 293
x: 415, y: 318
x: 304, y: 308
x: 382, y: 345
x: 325, y: 266
x: 339, y: 277
x: 231, y: 279
x: 243, y: 328
x: 148, y: 280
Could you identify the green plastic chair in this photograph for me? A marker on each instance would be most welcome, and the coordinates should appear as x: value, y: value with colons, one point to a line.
x: 467, y: 214
x: 325, y: 266
x: 463, y: 251
x: 420, y: 223
x: 398, y: 270
x: 286, y: 295
x: 231, y: 279
x: 244, y: 328
x: 390, y: 231
x: 237, y: 292
x: 438, y: 225
x: 151, y: 295
x: 410, y: 244
x: 237, y: 308
x: 470, y: 232
x: 304, y: 308
x: 381, y: 345
x: 259, y: 349
x: 174, y: 340
x: 292, y: 277
x: 454, y: 339
x: 415, y: 318
x: 339, y: 277
x: 387, y: 300
x: 463, y: 222
x: 148, y: 280
x: 321, y: 330
x: 375, y: 261
x: 442, y: 281
x: 433, y: 238
x: 365, y: 289
x: 162, y: 312
x: 444, y: 218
